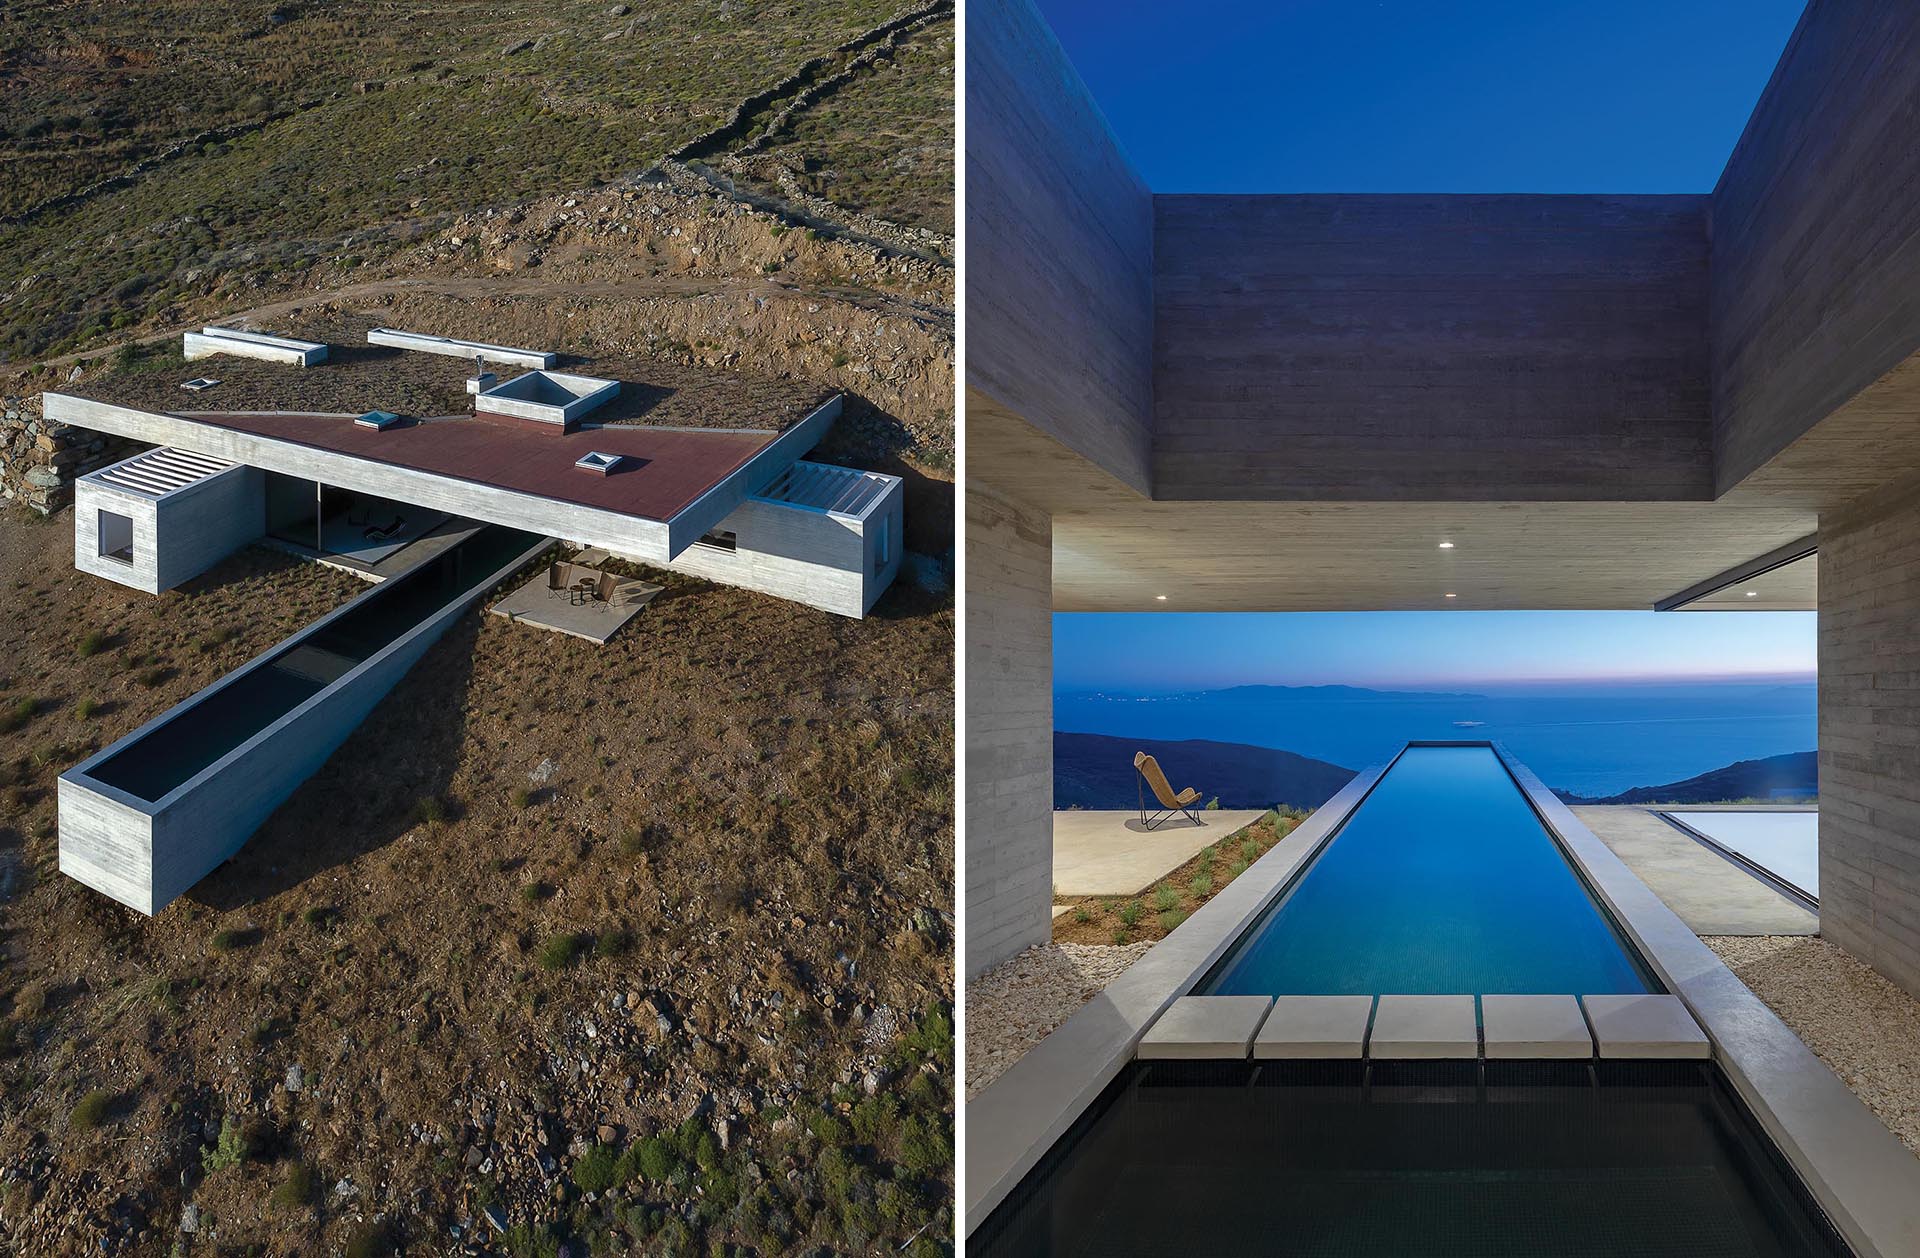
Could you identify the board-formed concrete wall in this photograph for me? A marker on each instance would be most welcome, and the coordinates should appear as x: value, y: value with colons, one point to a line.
x: 811, y: 557
x: 1009, y: 706
x: 144, y: 854
x: 175, y: 538
x: 1869, y: 735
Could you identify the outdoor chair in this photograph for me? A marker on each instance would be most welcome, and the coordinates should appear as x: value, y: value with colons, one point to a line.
x: 1171, y: 805
x: 557, y: 579
x: 603, y: 592
x: 380, y: 533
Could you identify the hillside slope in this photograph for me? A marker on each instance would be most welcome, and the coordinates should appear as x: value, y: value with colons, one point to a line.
x: 1096, y: 771
x: 1796, y: 773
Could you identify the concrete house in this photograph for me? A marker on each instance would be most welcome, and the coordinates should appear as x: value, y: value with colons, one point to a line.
x: 435, y: 481
x: 544, y: 450
x: 1291, y: 402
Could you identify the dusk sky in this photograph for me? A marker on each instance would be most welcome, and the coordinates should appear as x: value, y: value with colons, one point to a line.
x: 1426, y: 95
x: 1424, y: 650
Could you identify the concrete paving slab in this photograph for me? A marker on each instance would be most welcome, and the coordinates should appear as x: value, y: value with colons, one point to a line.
x: 1711, y: 894
x: 533, y: 604
x: 1111, y: 853
x: 1204, y: 1028
x: 1533, y: 1027
x: 1645, y: 1026
x: 1315, y: 1028
x: 1425, y: 1027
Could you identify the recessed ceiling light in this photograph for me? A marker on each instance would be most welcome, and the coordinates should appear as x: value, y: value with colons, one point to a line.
x: 1160, y: 598
x: 1446, y: 545
x: 1753, y: 594
x: 1449, y: 596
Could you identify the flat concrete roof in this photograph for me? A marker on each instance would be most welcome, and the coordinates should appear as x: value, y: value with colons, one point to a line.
x: 663, y: 470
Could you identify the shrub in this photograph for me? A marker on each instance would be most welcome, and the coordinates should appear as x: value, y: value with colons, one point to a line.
x: 431, y: 810
x: 318, y: 915
x: 371, y: 1241
x: 560, y: 952
x: 91, y: 643
x: 534, y: 892
x: 91, y: 1111
x: 596, y: 1170
x: 1172, y: 918
x: 655, y: 1160
x: 1250, y: 850
x: 1120, y: 937
x: 1213, y: 805
x: 1236, y: 869
x: 85, y: 709
x: 295, y: 1190
x: 19, y: 714
x: 1164, y: 898
x: 229, y: 1150
x: 1201, y: 886
x: 1081, y: 915
x: 228, y: 939
x: 151, y: 677
x: 1130, y: 913
x: 520, y: 797
x: 612, y: 943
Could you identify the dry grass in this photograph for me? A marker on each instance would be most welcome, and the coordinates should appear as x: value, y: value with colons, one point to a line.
x: 750, y: 805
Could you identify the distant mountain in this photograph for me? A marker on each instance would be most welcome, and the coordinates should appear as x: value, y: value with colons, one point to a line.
x: 1096, y: 771
x: 1796, y: 773
x: 1348, y: 694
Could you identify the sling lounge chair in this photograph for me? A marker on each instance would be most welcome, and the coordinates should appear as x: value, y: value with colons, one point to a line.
x: 558, y: 576
x: 1171, y: 805
x: 381, y: 532
x: 603, y: 592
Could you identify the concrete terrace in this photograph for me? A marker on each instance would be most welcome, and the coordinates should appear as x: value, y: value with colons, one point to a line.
x: 1097, y: 852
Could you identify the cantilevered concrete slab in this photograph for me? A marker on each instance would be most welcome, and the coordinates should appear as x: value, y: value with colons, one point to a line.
x: 1204, y: 1028
x: 1425, y: 1027
x: 1645, y: 1026
x: 1533, y: 1027
x: 1315, y: 1028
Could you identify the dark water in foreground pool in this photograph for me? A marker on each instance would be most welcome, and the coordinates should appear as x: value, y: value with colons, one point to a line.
x: 1442, y: 881
x: 1542, y: 1160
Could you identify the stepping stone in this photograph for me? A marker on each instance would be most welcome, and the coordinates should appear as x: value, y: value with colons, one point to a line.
x: 1425, y: 1027
x: 1533, y: 1027
x: 1204, y: 1028
x: 1316, y: 1027
x: 1645, y: 1026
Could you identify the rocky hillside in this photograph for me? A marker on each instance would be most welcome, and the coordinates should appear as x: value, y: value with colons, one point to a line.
x: 1096, y: 771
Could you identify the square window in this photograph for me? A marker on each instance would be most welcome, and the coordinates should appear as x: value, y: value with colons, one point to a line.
x: 116, y: 536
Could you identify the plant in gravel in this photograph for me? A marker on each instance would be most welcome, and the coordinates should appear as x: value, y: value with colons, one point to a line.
x: 534, y: 892
x: 91, y: 643
x: 1172, y: 918
x: 296, y: 1190
x: 1236, y: 869
x: 319, y: 915
x: 654, y: 1160
x: 151, y: 677
x: 1201, y: 886
x: 560, y: 952
x: 1130, y: 913
x: 91, y: 1110
x: 612, y: 943
x: 1121, y: 937
x: 1250, y: 850
x: 1165, y: 897
x: 520, y: 797
x: 1081, y: 915
x: 86, y: 709
x: 227, y: 939
x: 430, y: 810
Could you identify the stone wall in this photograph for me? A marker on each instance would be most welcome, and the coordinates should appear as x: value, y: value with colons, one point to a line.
x: 40, y: 461
x: 1009, y: 706
x: 1870, y: 733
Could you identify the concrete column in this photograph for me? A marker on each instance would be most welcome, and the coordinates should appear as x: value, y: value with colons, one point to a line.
x: 1009, y: 715
x: 1870, y: 733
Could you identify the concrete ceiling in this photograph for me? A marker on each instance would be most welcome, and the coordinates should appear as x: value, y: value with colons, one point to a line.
x: 1792, y: 587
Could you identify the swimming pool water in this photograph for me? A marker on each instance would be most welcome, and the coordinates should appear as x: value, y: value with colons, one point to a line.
x: 1443, y: 881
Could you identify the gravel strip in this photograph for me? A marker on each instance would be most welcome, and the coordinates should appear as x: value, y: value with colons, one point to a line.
x: 1864, y: 1028
x: 1014, y: 1006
